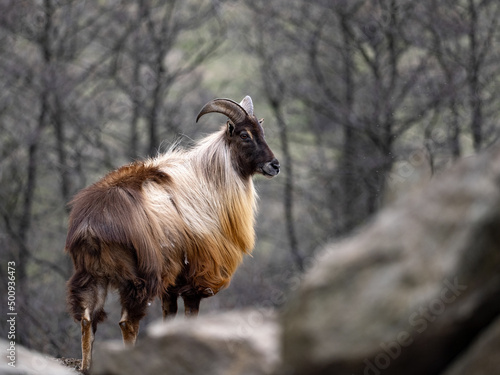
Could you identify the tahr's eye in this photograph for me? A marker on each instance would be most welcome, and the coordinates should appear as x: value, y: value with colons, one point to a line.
x: 244, y: 136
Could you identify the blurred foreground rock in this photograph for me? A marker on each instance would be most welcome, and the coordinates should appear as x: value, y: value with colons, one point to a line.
x: 415, y: 292
x: 244, y: 342
x: 27, y: 362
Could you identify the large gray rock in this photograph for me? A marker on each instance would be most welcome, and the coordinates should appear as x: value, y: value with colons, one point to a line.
x: 244, y: 342
x: 412, y: 290
x: 17, y: 360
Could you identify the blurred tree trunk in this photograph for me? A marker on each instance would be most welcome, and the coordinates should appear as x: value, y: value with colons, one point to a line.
x: 483, y: 28
x: 386, y: 80
x: 448, y: 97
x: 474, y: 67
x: 274, y: 90
x: 288, y: 199
x: 62, y: 155
x: 162, y: 35
x: 351, y: 146
x: 32, y: 166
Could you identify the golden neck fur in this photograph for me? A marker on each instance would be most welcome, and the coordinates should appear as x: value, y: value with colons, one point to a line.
x: 215, y: 208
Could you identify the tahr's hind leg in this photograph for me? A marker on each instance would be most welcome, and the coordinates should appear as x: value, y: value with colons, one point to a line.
x: 87, y: 340
x: 87, y: 305
x: 133, y: 310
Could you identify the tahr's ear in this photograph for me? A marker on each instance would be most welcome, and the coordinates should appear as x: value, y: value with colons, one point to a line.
x: 230, y: 128
x: 261, y: 121
x: 247, y: 105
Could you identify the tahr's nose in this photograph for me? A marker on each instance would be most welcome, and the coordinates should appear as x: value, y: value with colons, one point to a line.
x: 276, y: 165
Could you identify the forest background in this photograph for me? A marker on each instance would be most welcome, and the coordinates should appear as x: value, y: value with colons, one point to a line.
x: 363, y: 100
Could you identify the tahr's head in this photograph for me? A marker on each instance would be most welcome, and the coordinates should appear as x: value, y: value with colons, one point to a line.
x: 245, y: 137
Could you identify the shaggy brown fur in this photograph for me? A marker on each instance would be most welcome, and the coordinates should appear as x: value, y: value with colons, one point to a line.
x: 178, y: 224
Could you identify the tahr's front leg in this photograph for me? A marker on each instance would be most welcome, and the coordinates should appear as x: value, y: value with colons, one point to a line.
x: 169, y: 305
x: 191, y: 304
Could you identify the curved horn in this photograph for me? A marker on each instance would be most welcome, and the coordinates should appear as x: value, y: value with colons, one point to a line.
x: 235, y: 112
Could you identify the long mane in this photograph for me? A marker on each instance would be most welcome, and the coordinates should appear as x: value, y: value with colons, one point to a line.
x: 215, y: 205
